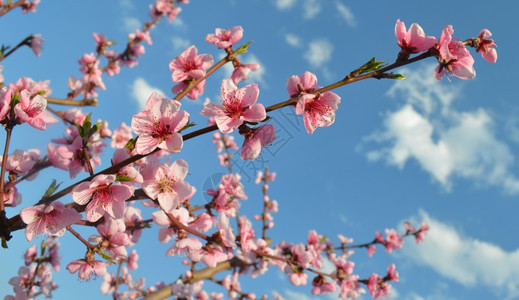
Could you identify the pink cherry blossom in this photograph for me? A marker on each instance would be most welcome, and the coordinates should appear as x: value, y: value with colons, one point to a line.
x: 242, y: 71
x: 36, y: 43
x: 246, y: 235
x: 166, y: 183
x: 32, y: 110
x: 304, y: 83
x: 102, y: 196
x: 238, y: 106
x: 50, y: 219
x: 378, y: 287
x: 454, y: 59
x: 414, y: 40
x: 255, y: 139
x: 420, y: 234
x: 111, y: 239
x: 321, y: 286
x: 225, y: 230
x: 350, y: 287
x: 225, y: 38
x: 392, y: 274
x: 190, y: 65
x: 158, y: 125
x: 392, y: 242
x: 487, y: 47
x: 34, y: 87
x: 5, y: 102
x: 318, y: 110
x: 163, y: 8
x: 121, y: 136
x: 86, y: 269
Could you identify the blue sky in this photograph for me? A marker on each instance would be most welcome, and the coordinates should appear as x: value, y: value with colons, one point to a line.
x: 444, y: 152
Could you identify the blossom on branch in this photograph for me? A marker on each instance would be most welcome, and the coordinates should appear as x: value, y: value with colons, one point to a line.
x: 487, y: 47
x: 414, y: 40
x: 454, y: 59
x: 318, y: 110
x: 238, y: 106
x: 158, y: 125
x: 225, y: 38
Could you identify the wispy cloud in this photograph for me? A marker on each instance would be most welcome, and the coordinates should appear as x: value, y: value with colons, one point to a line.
x: 293, y: 40
x: 311, y: 8
x: 131, y: 23
x: 346, y: 14
x: 180, y: 44
x: 284, y: 4
x: 141, y: 91
x: 445, y: 142
x: 466, y: 260
x: 319, y: 52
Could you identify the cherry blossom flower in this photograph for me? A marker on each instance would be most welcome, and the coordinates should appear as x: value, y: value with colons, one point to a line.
x: 238, y: 106
x: 102, y: 196
x: 121, y: 136
x: 158, y: 125
x: 36, y: 43
x: 50, y: 219
x: 487, y: 47
x: 304, y: 83
x: 378, y: 287
x: 350, y: 287
x: 162, y: 8
x: 34, y: 87
x: 414, y: 40
x: 166, y: 183
x: 21, y: 162
x: 111, y: 238
x: 242, y: 71
x: 321, y: 286
x: 318, y: 110
x: 190, y: 65
x: 255, y: 139
x: 392, y: 242
x: 454, y: 59
x: 225, y: 230
x: 87, y: 268
x: 246, y: 235
x: 225, y: 38
x: 392, y: 274
x: 32, y: 110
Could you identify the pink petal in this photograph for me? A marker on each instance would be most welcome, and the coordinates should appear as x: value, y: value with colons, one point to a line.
x: 248, y: 95
x: 255, y: 113
x: 173, y: 144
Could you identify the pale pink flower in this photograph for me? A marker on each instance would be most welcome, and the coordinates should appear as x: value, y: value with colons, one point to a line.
x: 133, y: 215
x: 212, y: 254
x: 392, y: 242
x: 420, y: 234
x: 86, y: 269
x: 414, y: 40
x: 255, y: 139
x: 111, y: 238
x: 108, y: 285
x: 50, y: 219
x: 321, y: 286
x: 133, y: 260
x: 5, y: 103
x: 246, y: 235
x: 392, y: 274
x: 232, y: 285
x: 238, y: 106
x: 36, y: 43
x: 193, y: 93
x: 487, y: 47
x: 163, y: 8
x: 161, y: 219
x: 305, y: 83
x: 225, y: 38
x: 350, y: 287
x: 20, y: 161
x: 34, y: 87
x: 190, y: 65
x: 187, y: 245
x: 454, y: 59
x: 241, y: 71
x: 166, y: 183
x: 371, y: 250
x: 32, y: 111
x: 225, y: 230
x: 102, y: 196
x: 318, y: 110
x: 203, y: 222
x: 30, y: 255
x: 121, y: 136
x: 378, y: 287
x: 158, y: 125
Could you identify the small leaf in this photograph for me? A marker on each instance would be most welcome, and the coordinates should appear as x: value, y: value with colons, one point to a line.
x: 398, y: 76
x: 189, y: 124
x: 130, y: 144
x: 52, y: 188
x: 124, y: 178
x: 243, y: 48
x: 106, y: 256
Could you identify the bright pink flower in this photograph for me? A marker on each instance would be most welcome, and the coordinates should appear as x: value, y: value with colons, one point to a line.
x: 36, y: 43
x: 238, y: 106
x: 487, y: 47
x: 34, y: 87
x: 190, y: 65
x: 224, y: 38
x: 86, y: 269
x: 420, y: 234
x: 166, y: 183
x: 392, y: 274
x: 101, y: 42
x: 304, y: 83
x: 193, y: 93
x: 256, y: 138
x: 163, y: 8
x: 102, y: 196
x: 32, y: 110
x: 414, y: 40
x: 454, y: 59
x: 371, y: 250
x: 50, y: 219
x: 158, y: 125
x: 318, y: 110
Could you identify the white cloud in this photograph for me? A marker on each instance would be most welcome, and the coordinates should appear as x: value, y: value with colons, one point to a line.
x: 284, y: 4
x: 141, y: 91
x: 445, y: 142
x: 131, y: 23
x: 319, y: 52
x: 311, y: 8
x: 126, y: 4
x: 346, y: 14
x: 466, y: 260
x: 293, y: 40
x: 180, y: 44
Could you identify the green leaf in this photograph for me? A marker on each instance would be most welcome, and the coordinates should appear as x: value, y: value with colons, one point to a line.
x: 123, y: 178
x: 371, y: 65
x: 243, y: 48
x: 189, y: 124
x: 106, y: 256
x: 398, y: 76
x: 130, y: 144
x: 52, y: 188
